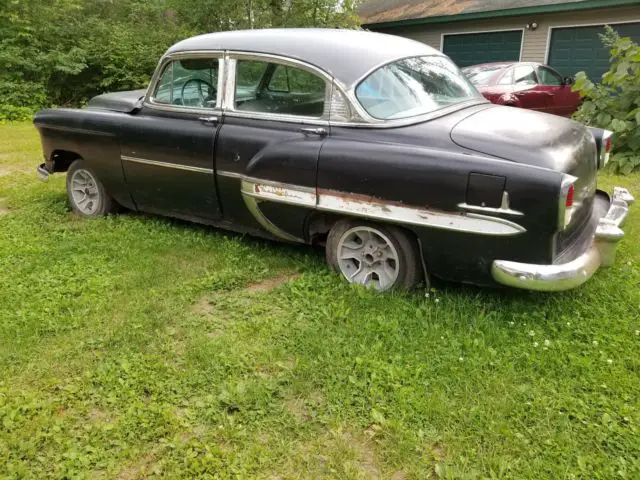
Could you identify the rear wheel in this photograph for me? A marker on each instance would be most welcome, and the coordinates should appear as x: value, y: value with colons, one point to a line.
x: 377, y: 256
x: 86, y: 193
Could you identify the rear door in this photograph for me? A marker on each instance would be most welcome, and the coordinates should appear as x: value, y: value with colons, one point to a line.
x: 167, y: 148
x: 268, y: 147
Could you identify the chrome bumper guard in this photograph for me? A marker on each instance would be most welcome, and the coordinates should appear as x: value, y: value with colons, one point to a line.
x: 43, y: 172
x: 553, y: 278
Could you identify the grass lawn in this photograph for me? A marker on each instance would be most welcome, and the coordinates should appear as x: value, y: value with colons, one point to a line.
x: 135, y: 346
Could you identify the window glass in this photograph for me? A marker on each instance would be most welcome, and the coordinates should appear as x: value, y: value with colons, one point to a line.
x: 482, y: 75
x: 266, y: 87
x: 524, y: 75
x: 507, y: 78
x: 548, y: 76
x: 189, y: 82
x: 414, y: 86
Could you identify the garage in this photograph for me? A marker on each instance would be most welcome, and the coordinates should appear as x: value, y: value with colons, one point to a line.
x: 575, y: 49
x: 474, y: 48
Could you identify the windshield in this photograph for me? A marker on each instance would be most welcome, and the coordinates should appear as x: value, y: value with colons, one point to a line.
x: 481, y: 75
x: 414, y: 86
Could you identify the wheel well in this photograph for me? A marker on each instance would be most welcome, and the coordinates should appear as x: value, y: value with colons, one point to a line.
x: 320, y: 223
x: 62, y: 160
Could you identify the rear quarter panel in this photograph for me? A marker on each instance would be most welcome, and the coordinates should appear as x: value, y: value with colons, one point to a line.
x: 420, y: 166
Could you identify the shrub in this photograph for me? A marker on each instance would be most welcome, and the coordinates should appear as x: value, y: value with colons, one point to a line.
x: 10, y: 113
x: 614, y: 103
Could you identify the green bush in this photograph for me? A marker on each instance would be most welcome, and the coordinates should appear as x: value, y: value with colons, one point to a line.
x: 10, y: 113
x: 614, y: 103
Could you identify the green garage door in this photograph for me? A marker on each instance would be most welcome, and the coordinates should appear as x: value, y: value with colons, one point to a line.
x: 474, y: 48
x: 579, y: 49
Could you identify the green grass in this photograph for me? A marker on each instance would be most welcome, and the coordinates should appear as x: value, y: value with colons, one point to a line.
x: 137, y: 347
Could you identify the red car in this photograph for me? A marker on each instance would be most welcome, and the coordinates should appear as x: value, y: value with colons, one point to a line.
x: 526, y: 85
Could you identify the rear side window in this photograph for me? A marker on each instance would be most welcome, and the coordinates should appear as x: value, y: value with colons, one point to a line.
x: 268, y: 87
x: 189, y: 83
x: 524, y: 75
x: 507, y: 78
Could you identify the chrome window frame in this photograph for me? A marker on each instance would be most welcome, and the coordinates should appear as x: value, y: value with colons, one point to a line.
x: 228, y: 105
x: 226, y: 93
x: 166, y: 60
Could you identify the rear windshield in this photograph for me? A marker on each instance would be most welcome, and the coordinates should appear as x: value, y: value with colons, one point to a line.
x: 414, y: 86
x: 481, y: 75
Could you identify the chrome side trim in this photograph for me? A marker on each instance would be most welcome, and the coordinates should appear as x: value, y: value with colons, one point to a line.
x: 177, y: 166
x: 224, y: 173
x: 553, y: 278
x: 376, y: 209
x: 372, y: 208
x: 503, y: 209
x: 279, y: 192
x: 252, y: 203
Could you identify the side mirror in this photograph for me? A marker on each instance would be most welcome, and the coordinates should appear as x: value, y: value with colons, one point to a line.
x: 568, y: 81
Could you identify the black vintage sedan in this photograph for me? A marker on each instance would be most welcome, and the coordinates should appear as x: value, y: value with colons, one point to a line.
x: 375, y: 146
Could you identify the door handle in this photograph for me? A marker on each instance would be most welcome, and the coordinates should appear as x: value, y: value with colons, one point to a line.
x: 314, y: 131
x: 209, y: 120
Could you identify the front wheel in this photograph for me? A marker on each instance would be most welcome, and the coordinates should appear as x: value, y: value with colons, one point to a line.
x: 86, y: 193
x: 377, y: 256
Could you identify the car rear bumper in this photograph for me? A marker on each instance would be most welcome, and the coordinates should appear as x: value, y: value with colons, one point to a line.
x: 556, y: 277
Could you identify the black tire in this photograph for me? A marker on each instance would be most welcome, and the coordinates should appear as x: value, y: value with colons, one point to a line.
x: 95, y: 202
x: 409, y: 267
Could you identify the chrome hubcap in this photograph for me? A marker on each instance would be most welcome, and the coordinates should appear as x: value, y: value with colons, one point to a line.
x: 366, y: 256
x: 84, y: 192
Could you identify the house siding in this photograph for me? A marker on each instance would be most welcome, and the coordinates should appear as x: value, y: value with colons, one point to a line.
x: 535, y: 42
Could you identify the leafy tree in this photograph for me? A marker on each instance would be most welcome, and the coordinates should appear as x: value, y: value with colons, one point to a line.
x: 614, y: 103
x: 63, y: 52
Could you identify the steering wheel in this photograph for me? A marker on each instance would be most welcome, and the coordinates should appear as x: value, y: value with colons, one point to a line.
x: 211, y: 92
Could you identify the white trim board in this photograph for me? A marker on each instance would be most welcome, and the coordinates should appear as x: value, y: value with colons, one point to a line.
x: 442, y: 35
x: 599, y: 24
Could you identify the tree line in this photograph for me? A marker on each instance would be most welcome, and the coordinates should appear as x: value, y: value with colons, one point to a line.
x: 63, y: 52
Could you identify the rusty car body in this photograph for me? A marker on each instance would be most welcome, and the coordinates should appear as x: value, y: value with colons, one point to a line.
x: 375, y: 146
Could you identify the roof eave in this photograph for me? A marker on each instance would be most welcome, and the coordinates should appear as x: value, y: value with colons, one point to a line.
x: 512, y: 12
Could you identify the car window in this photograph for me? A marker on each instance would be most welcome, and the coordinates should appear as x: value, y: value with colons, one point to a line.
x: 548, y: 76
x: 189, y: 83
x: 281, y: 89
x: 524, y: 75
x: 507, y: 78
x: 482, y: 75
x: 414, y: 86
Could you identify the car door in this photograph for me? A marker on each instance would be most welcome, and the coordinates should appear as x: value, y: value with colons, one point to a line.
x: 268, y: 146
x: 564, y: 99
x: 167, y: 148
x: 528, y: 91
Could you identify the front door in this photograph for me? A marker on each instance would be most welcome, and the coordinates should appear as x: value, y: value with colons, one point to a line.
x: 268, y: 147
x: 565, y: 101
x: 528, y: 91
x: 167, y: 148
